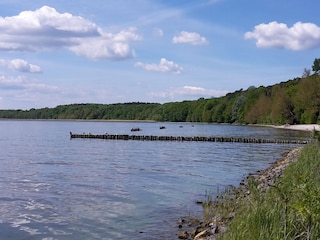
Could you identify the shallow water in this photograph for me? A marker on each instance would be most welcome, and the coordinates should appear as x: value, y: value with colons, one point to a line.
x: 53, y: 187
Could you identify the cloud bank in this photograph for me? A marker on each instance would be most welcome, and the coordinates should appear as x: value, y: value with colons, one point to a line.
x: 47, y: 29
x: 163, y: 66
x: 23, y: 83
x: 20, y: 65
x: 190, y: 38
x: 301, y: 36
x: 188, y: 91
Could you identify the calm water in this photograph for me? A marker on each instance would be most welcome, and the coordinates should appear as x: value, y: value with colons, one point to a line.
x: 53, y: 187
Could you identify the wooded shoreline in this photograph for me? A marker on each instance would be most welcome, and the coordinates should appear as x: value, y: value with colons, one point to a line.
x: 294, y: 102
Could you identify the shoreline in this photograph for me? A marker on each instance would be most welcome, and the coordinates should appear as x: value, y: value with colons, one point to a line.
x: 75, y: 120
x: 298, y: 127
x: 200, y: 229
x: 211, y: 229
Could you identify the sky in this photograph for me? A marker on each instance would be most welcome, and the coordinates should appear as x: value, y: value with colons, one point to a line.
x: 56, y: 52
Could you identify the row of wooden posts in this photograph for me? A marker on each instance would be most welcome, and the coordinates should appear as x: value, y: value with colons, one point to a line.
x: 183, y: 138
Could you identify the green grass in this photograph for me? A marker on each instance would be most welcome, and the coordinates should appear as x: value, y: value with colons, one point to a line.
x: 288, y: 210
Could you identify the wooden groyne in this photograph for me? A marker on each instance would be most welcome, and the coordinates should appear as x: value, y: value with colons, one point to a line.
x: 182, y: 138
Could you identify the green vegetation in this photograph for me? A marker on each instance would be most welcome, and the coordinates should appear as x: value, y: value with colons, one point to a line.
x: 288, y: 210
x: 316, y: 135
x: 316, y: 65
x: 296, y: 101
x: 127, y: 111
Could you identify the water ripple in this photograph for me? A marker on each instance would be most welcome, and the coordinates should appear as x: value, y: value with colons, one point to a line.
x: 57, y: 188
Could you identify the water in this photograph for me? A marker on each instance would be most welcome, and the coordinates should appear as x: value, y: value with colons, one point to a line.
x: 53, y: 187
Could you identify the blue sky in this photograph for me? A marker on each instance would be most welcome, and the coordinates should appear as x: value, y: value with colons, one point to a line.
x: 55, y: 52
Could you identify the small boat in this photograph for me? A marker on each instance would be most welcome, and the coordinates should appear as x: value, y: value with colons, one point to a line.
x: 162, y: 127
x: 135, y: 129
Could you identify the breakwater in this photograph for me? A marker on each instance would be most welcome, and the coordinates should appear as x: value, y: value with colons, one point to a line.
x: 183, y: 138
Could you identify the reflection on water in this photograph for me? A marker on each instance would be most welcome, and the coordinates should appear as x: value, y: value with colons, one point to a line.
x: 57, y: 188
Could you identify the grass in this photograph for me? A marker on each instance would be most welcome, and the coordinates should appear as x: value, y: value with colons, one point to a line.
x: 288, y: 210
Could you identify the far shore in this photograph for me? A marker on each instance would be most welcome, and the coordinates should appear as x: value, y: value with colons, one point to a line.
x: 73, y: 120
x: 299, y: 127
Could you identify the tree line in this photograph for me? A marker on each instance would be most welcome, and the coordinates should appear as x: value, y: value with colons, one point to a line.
x: 295, y: 101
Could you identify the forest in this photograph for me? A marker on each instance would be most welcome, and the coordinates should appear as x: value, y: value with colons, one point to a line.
x: 296, y: 101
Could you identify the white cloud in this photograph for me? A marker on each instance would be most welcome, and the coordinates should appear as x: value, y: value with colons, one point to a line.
x: 111, y: 46
x: 187, y: 92
x: 300, y: 36
x: 23, y: 83
x: 20, y: 65
x: 190, y: 37
x: 47, y: 29
x: 23, y: 93
x: 163, y: 66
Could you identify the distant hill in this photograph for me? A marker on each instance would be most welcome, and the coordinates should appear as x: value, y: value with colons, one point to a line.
x: 295, y: 101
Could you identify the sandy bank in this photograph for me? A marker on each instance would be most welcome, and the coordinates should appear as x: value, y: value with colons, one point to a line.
x: 299, y: 127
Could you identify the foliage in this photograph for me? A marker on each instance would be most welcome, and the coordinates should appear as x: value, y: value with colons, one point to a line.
x: 316, y: 65
x: 316, y: 135
x: 296, y: 101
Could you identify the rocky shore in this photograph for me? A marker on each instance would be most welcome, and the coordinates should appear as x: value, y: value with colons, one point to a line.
x: 195, y: 229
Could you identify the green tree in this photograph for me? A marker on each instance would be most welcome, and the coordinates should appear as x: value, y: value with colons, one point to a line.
x: 238, y: 109
x: 316, y: 65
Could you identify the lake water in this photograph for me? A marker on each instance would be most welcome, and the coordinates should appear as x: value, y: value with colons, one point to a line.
x: 54, y: 187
